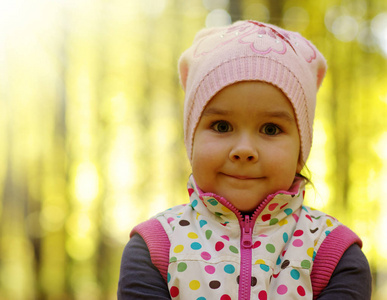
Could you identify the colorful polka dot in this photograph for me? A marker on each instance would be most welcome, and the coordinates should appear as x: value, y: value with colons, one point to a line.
x: 225, y: 297
x: 168, y: 278
x: 260, y: 261
x: 313, y: 230
x: 283, y: 222
x: 181, y: 267
x: 284, y: 205
x: 208, y: 234
x: 278, y: 261
x: 184, y: 223
x: 305, y: 264
x: 194, y: 285
x: 213, y: 202
x: 329, y: 223
x: 226, y: 237
x: 295, y: 217
x: 219, y: 246
x: 266, y: 217
x: 285, y: 264
x: 310, y: 252
x: 194, y: 203
x: 229, y: 269
x: 201, y: 298
x: 174, y: 291
x: 215, y: 284
x: 288, y: 211
x: 254, y: 281
x: 265, y: 268
x: 256, y: 244
x: 173, y: 259
x: 282, y: 289
x: 273, y: 221
x: 295, y: 274
x: 298, y: 233
x: 192, y: 235
x: 234, y: 249
x: 273, y: 206
x: 298, y: 243
x: 226, y: 209
x: 209, y: 269
x: 262, y: 295
x: 196, y: 246
x: 205, y: 255
x: 202, y: 223
x: 178, y: 249
x: 270, y: 248
x: 301, y: 291
x: 285, y: 237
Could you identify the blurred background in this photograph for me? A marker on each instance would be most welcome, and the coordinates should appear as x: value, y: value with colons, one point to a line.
x: 91, y: 139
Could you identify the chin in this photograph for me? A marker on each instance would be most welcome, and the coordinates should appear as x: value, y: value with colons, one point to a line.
x: 249, y: 203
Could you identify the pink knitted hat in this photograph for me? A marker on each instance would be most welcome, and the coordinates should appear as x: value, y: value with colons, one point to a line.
x: 246, y: 51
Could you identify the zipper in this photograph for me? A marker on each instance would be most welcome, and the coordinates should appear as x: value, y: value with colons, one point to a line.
x: 246, y: 243
x: 247, y: 226
x: 246, y: 258
x: 247, y: 233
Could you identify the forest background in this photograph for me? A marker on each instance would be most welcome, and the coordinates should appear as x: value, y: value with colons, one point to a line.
x: 91, y: 139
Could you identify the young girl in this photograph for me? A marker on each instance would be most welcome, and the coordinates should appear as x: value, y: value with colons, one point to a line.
x: 249, y: 108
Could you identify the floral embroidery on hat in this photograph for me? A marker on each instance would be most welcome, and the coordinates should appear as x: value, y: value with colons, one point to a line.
x: 261, y: 38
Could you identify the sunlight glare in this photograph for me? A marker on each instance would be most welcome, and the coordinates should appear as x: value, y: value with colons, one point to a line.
x: 379, y: 29
x: 86, y: 183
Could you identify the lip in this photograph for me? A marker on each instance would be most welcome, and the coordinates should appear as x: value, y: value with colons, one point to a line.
x: 242, y: 177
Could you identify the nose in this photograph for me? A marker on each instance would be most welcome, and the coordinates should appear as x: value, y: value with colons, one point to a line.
x: 244, y: 150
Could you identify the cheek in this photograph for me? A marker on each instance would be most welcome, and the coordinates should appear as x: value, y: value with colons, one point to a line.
x: 206, y: 147
x: 285, y: 161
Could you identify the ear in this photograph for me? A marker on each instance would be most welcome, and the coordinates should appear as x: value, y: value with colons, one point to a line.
x: 183, y: 66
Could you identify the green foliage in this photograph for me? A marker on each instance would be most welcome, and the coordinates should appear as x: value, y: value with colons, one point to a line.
x: 91, y: 129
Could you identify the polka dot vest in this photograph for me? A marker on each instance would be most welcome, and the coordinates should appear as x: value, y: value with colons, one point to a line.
x: 217, y: 253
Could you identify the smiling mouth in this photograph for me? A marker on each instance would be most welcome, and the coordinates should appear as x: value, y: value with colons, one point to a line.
x: 243, y: 177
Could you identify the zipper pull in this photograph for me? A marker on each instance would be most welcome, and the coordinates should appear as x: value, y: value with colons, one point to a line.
x: 247, y: 239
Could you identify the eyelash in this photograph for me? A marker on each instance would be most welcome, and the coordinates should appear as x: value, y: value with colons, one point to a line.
x: 215, y: 127
x: 277, y: 129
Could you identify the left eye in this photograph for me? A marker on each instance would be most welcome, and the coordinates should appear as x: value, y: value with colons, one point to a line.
x: 271, y: 129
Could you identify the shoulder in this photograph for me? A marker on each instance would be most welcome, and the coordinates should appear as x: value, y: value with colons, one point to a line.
x: 330, y: 253
x: 351, y: 278
x: 139, y: 278
x: 157, y: 242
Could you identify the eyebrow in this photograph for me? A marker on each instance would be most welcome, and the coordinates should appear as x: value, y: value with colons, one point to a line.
x: 281, y: 115
x: 215, y: 111
x: 270, y: 114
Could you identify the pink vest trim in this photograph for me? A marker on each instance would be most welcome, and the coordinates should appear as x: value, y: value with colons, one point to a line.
x: 329, y: 255
x: 326, y: 260
x: 158, y: 243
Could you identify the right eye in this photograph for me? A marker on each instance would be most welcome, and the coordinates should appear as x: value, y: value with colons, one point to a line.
x: 221, y: 126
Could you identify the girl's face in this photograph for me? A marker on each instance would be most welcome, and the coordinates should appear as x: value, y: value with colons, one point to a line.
x: 246, y: 145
